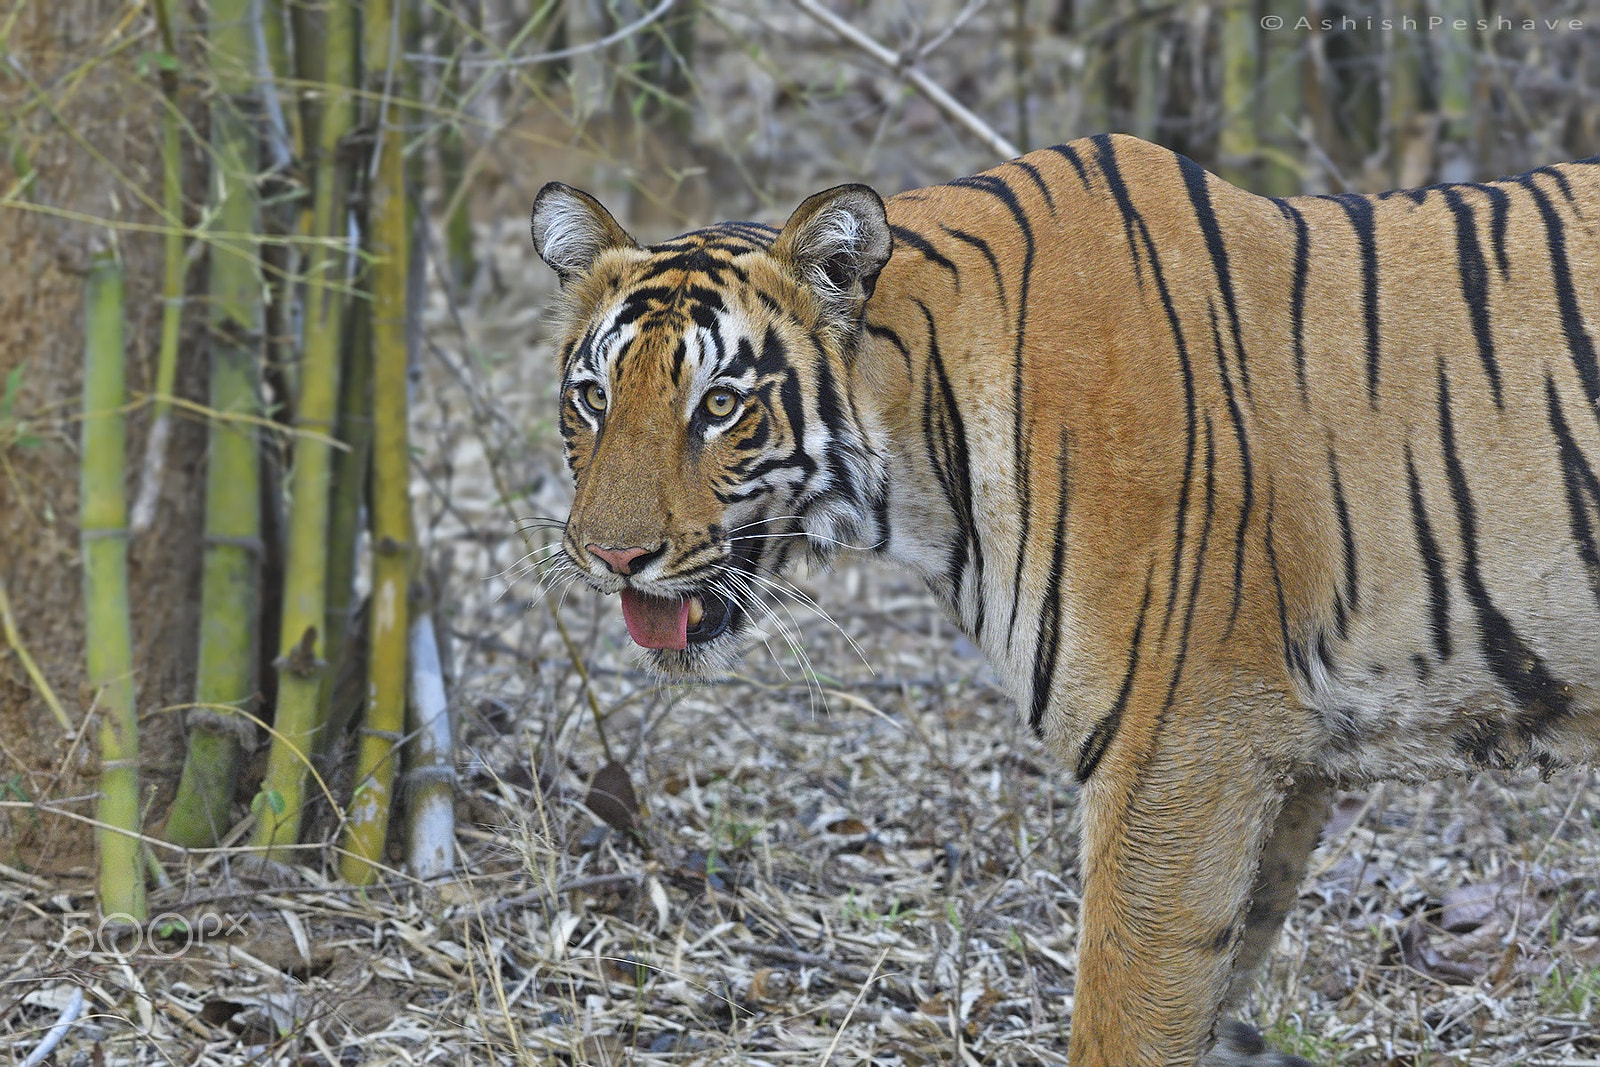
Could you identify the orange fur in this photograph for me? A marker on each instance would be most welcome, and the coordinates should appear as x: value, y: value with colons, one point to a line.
x: 1242, y: 498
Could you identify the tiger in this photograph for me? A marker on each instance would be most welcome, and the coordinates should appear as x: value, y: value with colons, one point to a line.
x: 1244, y: 499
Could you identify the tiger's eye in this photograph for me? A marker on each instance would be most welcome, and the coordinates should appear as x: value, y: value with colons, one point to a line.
x: 594, y: 396
x: 720, y: 403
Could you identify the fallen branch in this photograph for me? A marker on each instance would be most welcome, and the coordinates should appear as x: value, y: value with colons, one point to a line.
x: 901, y: 65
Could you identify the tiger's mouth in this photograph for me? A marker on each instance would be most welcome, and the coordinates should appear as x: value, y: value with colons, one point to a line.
x: 675, y: 623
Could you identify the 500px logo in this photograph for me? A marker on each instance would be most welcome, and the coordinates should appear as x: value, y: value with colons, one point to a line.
x: 167, y: 936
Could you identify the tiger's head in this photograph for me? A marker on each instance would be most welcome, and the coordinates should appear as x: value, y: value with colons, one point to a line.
x: 706, y: 413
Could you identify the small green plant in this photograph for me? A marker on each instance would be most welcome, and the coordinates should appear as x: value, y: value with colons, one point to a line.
x: 14, y: 431
x: 1285, y: 1035
x: 1571, y: 991
x: 727, y: 836
x: 865, y: 915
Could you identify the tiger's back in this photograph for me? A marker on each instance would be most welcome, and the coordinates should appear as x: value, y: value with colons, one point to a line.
x: 1243, y: 498
x: 1359, y: 482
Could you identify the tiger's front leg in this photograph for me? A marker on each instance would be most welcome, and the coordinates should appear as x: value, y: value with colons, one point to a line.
x: 1175, y: 825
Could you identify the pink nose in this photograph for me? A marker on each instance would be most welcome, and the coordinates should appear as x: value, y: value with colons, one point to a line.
x: 620, y: 560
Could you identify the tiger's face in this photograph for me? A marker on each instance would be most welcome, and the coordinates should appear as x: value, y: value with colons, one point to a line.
x: 705, y: 410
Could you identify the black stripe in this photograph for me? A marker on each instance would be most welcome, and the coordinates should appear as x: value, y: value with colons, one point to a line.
x: 1517, y: 667
x: 1432, y: 564
x: 1579, y: 343
x: 885, y: 333
x: 913, y: 239
x: 1297, y: 292
x: 1105, y: 731
x: 945, y: 438
x: 988, y: 253
x: 1133, y: 220
x: 1199, y: 566
x: 1070, y: 154
x: 1021, y: 475
x: 1359, y: 211
x: 1195, y: 180
x: 1106, y: 157
x: 830, y: 405
x: 1499, y: 222
x: 1555, y: 175
x: 1246, y: 470
x: 1294, y: 656
x: 1047, y: 644
x: 1474, y: 274
x: 1347, y: 538
x: 1583, y: 489
x: 1038, y: 180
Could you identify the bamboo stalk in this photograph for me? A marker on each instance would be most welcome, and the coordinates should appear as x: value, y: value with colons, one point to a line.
x: 300, y: 664
x: 463, y: 266
x: 368, y: 822
x: 430, y: 774
x: 350, y: 471
x: 229, y: 596
x: 107, y: 632
x: 155, y: 452
x: 1237, y: 147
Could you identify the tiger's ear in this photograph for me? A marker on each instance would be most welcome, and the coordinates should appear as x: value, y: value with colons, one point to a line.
x: 571, y: 229
x: 837, y: 242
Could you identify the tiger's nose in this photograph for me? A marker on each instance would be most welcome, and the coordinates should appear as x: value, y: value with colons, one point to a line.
x: 621, y: 560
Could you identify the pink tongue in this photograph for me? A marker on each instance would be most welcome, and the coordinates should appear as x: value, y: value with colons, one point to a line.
x: 656, y: 622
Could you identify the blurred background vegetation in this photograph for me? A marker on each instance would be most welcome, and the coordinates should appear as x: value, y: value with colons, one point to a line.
x: 283, y: 189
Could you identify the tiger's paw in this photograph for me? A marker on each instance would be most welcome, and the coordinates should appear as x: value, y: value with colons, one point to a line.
x: 1240, y: 1045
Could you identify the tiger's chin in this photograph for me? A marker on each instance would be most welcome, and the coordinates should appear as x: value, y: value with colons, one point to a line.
x: 698, y: 637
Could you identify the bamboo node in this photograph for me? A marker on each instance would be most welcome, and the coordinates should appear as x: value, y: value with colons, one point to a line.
x: 302, y: 659
x: 394, y: 737
x: 429, y: 775
x: 111, y: 533
x: 249, y: 544
x: 223, y: 722
x: 389, y: 545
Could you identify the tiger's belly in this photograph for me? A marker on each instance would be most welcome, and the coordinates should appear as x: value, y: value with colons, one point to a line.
x: 1514, y: 689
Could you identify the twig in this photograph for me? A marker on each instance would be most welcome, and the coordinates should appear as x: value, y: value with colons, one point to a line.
x: 36, y: 676
x: 69, y: 1015
x: 925, y: 85
x: 548, y: 57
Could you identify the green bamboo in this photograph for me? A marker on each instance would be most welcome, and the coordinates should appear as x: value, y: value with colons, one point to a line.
x: 384, y: 725
x: 278, y: 805
x: 463, y: 265
x: 1279, y: 101
x: 229, y: 598
x: 155, y: 455
x: 1145, y: 80
x: 1410, y: 142
x: 107, y: 631
x: 1237, y: 147
x: 350, y: 467
x: 275, y: 38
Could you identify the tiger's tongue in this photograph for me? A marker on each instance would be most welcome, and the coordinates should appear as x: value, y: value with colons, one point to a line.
x: 656, y: 622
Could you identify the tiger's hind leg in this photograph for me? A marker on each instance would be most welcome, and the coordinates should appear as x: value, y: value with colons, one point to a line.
x: 1283, y: 867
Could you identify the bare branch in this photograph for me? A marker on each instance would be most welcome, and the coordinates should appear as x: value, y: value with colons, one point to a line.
x: 901, y: 65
